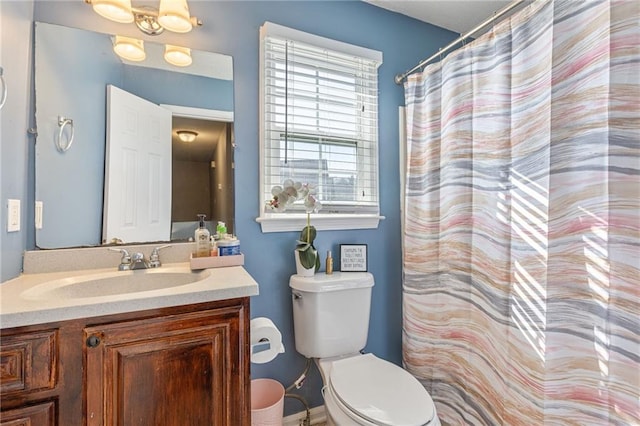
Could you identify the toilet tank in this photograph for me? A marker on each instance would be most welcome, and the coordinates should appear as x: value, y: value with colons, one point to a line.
x: 331, y: 313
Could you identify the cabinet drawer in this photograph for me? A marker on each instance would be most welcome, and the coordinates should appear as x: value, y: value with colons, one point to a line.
x: 41, y: 415
x: 28, y: 362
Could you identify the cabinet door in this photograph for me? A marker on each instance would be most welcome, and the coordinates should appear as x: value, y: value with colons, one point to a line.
x: 185, y: 369
x: 41, y: 415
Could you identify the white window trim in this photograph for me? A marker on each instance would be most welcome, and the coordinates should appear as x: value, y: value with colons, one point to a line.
x: 277, y: 222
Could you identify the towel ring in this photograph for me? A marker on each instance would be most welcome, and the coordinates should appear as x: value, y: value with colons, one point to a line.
x: 62, y: 123
x: 3, y: 94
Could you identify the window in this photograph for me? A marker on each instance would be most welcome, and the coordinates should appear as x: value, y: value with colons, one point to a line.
x: 319, y: 125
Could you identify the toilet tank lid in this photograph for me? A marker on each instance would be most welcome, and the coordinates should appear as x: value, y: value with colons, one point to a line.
x: 321, y: 282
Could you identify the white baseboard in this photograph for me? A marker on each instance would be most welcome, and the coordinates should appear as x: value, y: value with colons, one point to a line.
x: 317, y: 416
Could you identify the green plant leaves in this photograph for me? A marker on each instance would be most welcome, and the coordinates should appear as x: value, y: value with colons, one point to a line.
x: 308, y: 234
x: 308, y: 255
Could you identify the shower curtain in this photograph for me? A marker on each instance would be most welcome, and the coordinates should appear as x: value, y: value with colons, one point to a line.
x: 521, y: 291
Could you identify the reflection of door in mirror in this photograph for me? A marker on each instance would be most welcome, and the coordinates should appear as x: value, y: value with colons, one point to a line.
x: 137, y: 173
x: 162, y: 181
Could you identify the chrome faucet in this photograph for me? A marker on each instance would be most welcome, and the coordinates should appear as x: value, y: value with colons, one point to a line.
x: 138, y: 261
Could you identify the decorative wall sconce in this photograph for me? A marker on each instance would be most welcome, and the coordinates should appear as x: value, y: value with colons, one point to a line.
x: 172, y: 15
x: 187, y: 135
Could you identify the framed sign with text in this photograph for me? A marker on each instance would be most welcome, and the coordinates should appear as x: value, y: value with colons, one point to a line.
x: 353, y: 257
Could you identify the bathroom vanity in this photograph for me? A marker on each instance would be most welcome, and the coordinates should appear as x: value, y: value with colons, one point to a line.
x: 169, y: 366
x: 173, y: 355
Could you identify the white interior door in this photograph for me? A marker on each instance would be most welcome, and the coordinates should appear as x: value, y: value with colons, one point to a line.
x: 137, y: 202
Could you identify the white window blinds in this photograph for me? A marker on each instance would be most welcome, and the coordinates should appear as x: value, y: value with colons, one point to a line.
x: 319, y: 120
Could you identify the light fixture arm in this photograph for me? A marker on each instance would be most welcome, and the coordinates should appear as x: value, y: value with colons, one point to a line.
x: 146, y: 19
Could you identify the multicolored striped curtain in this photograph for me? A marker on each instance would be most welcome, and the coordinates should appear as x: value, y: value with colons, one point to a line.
x: 521, y: 290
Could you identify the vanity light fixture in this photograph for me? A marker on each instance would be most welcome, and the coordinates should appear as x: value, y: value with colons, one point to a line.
x: 178, y: 56
x: 172, y: 15
x: 187, y: 135
x: 129, y: 48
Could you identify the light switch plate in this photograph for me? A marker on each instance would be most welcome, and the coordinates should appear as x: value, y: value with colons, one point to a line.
x: 13, y: 215
x: 38, y: 215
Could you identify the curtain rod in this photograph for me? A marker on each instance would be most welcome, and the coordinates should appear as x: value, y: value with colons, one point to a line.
x: 399, y: 78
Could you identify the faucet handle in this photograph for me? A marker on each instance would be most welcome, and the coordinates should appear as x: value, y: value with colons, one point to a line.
x: 154, y: 259
x: 125, y: 261
x: 137, y: 257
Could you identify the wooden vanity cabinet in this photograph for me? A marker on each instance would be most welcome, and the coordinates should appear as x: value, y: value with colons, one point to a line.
x: 185, y: 365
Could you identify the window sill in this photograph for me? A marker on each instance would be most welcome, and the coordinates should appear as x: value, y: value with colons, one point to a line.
x: 334, y: 222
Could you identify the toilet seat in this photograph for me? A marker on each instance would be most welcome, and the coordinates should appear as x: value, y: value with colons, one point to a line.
x: 373, y: 391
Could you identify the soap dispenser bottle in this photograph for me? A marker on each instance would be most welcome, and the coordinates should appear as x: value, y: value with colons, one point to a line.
x: 203, y: 246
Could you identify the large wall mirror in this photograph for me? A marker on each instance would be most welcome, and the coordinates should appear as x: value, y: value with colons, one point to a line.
x: 74, y: 70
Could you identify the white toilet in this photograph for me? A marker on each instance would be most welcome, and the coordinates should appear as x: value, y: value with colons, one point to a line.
x: 331, y: 322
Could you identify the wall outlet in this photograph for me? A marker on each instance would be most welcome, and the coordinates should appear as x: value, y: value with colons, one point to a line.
x: 13, y: 215
x: 38, y: 214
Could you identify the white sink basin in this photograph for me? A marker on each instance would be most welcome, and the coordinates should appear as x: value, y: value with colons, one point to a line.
x: 115, y: 283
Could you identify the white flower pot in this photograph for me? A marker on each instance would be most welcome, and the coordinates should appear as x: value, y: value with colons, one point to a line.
x: 301, y: 270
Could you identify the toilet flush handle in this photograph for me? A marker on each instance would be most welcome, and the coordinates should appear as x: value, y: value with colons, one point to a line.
x: 296, y: 296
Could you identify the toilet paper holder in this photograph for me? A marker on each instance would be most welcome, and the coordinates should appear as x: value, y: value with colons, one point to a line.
x: 265, y: 340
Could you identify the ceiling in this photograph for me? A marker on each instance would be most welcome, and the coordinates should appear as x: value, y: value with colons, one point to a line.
x: 459, y: 16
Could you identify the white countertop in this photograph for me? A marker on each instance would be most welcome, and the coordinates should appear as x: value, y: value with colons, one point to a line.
x: 22, y: 301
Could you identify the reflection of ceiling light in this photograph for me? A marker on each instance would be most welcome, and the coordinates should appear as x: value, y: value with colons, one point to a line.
x: 116, y: 10
x: 178, y: 56
x: 173, y: 15
x: 187, y: 135
x: 129, y: 48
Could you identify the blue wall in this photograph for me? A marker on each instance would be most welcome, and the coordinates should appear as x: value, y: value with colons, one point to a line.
x: 231, y: 27
x: 16, y: 154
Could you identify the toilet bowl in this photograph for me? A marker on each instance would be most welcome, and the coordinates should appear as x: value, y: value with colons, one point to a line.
x: 369, y: 391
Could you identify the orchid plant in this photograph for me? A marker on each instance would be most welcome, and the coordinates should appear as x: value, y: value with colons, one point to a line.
x: 286, y: 195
